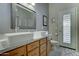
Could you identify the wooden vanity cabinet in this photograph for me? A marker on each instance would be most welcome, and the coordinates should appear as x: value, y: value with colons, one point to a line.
x: 41, y: 47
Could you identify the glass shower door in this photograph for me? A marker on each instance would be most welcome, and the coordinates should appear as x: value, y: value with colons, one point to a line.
x: 67, y: 28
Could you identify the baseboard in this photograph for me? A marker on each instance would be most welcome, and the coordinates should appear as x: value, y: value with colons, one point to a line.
x: 67, y: 47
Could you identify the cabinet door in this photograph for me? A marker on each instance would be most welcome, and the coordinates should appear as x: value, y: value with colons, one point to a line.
x: 34, y: 52
x: 32, y: 46
x: 49, y: 47
x: 43, y: 54
x: 42, y: 41
x: 43, y: 48
x: 16, y: 52
x: 22, y: 51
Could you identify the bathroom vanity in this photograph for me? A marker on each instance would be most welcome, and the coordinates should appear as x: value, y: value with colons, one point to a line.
x: 31, y: 45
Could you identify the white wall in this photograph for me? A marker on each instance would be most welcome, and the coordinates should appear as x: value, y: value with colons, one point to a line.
x: 5, y: 18
x: 54, y: 9
x: 41, y: 9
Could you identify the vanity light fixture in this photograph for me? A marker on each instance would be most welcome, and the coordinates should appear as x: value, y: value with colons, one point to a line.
x: 32, y: 4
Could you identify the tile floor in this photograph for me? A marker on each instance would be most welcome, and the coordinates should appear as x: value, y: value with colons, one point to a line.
x: 60, y: 51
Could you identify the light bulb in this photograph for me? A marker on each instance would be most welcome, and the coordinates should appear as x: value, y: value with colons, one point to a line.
x: 33, y: 4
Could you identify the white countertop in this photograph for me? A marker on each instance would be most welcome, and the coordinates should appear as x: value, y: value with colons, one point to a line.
x: 22, y: 33
x: 21, y: 38
x: 18, y: 33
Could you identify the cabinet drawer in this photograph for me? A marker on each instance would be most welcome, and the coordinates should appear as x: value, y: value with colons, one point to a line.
x: 43, y: 48
x: 22, y: 51
x: 43, y: 54
x: 42, y: 41
x: 16, y: 52
x: 32, y: 46
x: 35, y: 52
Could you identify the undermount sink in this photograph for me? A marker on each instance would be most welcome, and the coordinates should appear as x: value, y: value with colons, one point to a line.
x: 15, y: 39
x: 39, y: 34
x: 36, y: 35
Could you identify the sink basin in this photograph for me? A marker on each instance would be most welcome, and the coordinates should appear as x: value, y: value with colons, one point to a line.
x: 11, y: 40
x: 44, y: 33
x: 36, y: 35
x: 39, y: 34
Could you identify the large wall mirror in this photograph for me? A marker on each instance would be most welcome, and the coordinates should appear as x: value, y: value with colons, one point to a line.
x: 23, y: 17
